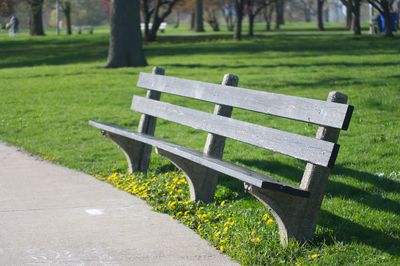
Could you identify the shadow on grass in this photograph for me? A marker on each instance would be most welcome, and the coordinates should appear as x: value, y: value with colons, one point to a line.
x: 58, y: 51
x: 43, y: 51
x: 347, y: 231
x: 338, y: 189
x: 344, y: 230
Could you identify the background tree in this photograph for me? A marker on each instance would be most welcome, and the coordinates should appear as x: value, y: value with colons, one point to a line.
x: 279, y: 13
x: 199, y: 20
x: 385, y: 7
x: 158, y: 10
x: 227, y: 9
x: 125, y: 48
x: 36, y: 17
x: 254, y: 7
x: 66, y: 9
x: 212, y: 9
x: 320, y: 14
x: 306, y: 6
x: 354, y: 7
x: 268, y: 12
x: 239, y: 8
x: 6, y: 8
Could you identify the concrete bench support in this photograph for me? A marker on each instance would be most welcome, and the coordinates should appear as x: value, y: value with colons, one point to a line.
x: 297, y: 217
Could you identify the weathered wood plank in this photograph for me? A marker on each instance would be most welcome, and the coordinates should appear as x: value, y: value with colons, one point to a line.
x: 147, y: 125
x: 318, y: 112
x: 224, y: 167
x: 312, y: 150
x: 215, y: 144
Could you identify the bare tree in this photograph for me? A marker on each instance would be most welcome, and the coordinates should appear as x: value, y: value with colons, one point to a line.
x: 125, y: 48
x: 254, y: 7
x: 239, y: 7
x: 384, y: 7
x: 158, y: 11
x: 354, y: 7
x: 320, y: 16
x: 7, y: 7
x: 199, y: 20
x: 36, y: 17
x: 268, y: 11
x: 66, y: 9
x: 227, y: 9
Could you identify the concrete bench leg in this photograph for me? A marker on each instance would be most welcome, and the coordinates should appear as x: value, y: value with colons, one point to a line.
x: 132, y: 149
x: 202, y: 181
x: 287, y: 211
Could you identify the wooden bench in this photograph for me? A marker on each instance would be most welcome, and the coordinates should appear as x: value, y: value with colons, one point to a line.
x: 296, y: 209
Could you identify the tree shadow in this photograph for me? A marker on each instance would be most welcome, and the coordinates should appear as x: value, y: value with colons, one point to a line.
x: 37, y: 52
x: 58, y: 51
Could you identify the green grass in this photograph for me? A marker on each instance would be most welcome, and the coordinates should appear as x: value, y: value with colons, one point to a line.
x: 50, y: 87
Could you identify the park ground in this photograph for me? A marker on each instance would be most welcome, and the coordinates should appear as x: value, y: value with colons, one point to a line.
x: 51, y: 86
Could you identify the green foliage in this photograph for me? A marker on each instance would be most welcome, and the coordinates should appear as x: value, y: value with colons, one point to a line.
x: 50, y: 87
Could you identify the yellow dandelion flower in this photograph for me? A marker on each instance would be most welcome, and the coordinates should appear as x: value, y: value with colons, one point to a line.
x: 222, y: 248
x: 270, y: 221
x: 222, y: 203
x: 217, y: 234
x: 172, y: 204
x: 314, y: 256
x: 257, y: 240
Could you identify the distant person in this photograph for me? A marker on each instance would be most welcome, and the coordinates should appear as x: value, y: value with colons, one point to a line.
x: 13, y: 26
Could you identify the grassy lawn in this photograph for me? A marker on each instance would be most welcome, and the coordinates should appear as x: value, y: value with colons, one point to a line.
x: 51, y: 86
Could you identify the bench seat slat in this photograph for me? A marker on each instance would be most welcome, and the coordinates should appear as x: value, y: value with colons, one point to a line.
x: 302, y: 109
x: 312, y: 150
x: 224, y: 167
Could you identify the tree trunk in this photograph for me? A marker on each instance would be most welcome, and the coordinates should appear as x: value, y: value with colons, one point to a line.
x: 178, y: 20
x: 277, y: 12
x: 386, y: 15
x: 349, y: 17
x: 282, y: 12
x: 67, y: 14
x: 152, y: 37
x: 125, y: 48
x: 307, y: 14
x: 251, y: 25
x: 192, y: 19
x: 146, y: 17
x: 199, y: 21
x: 36, y: 18
x: 239, y: 5
x: 320, y: 10
x: 356, y: 26
x: 227, y: 12
x: 268, y: 16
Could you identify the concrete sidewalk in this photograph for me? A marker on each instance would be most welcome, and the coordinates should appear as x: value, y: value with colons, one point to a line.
x: 51, y: 215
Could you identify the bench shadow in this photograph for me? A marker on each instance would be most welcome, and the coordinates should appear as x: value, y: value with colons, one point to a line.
x: 349, y: 232
x: 345, y: 230
x: 339, y: 189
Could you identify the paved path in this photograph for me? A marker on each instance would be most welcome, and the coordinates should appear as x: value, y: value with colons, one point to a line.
x: 51, y: 215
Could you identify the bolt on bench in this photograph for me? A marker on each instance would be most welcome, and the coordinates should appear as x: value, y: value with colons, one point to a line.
x: 296, y: 209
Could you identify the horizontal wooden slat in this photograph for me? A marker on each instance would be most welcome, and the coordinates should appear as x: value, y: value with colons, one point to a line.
x: 305, y: 148
x: 224, y: 167
x: 303, y: 109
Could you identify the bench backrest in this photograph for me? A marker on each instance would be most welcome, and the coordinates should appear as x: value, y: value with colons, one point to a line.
x: 312, y: 150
